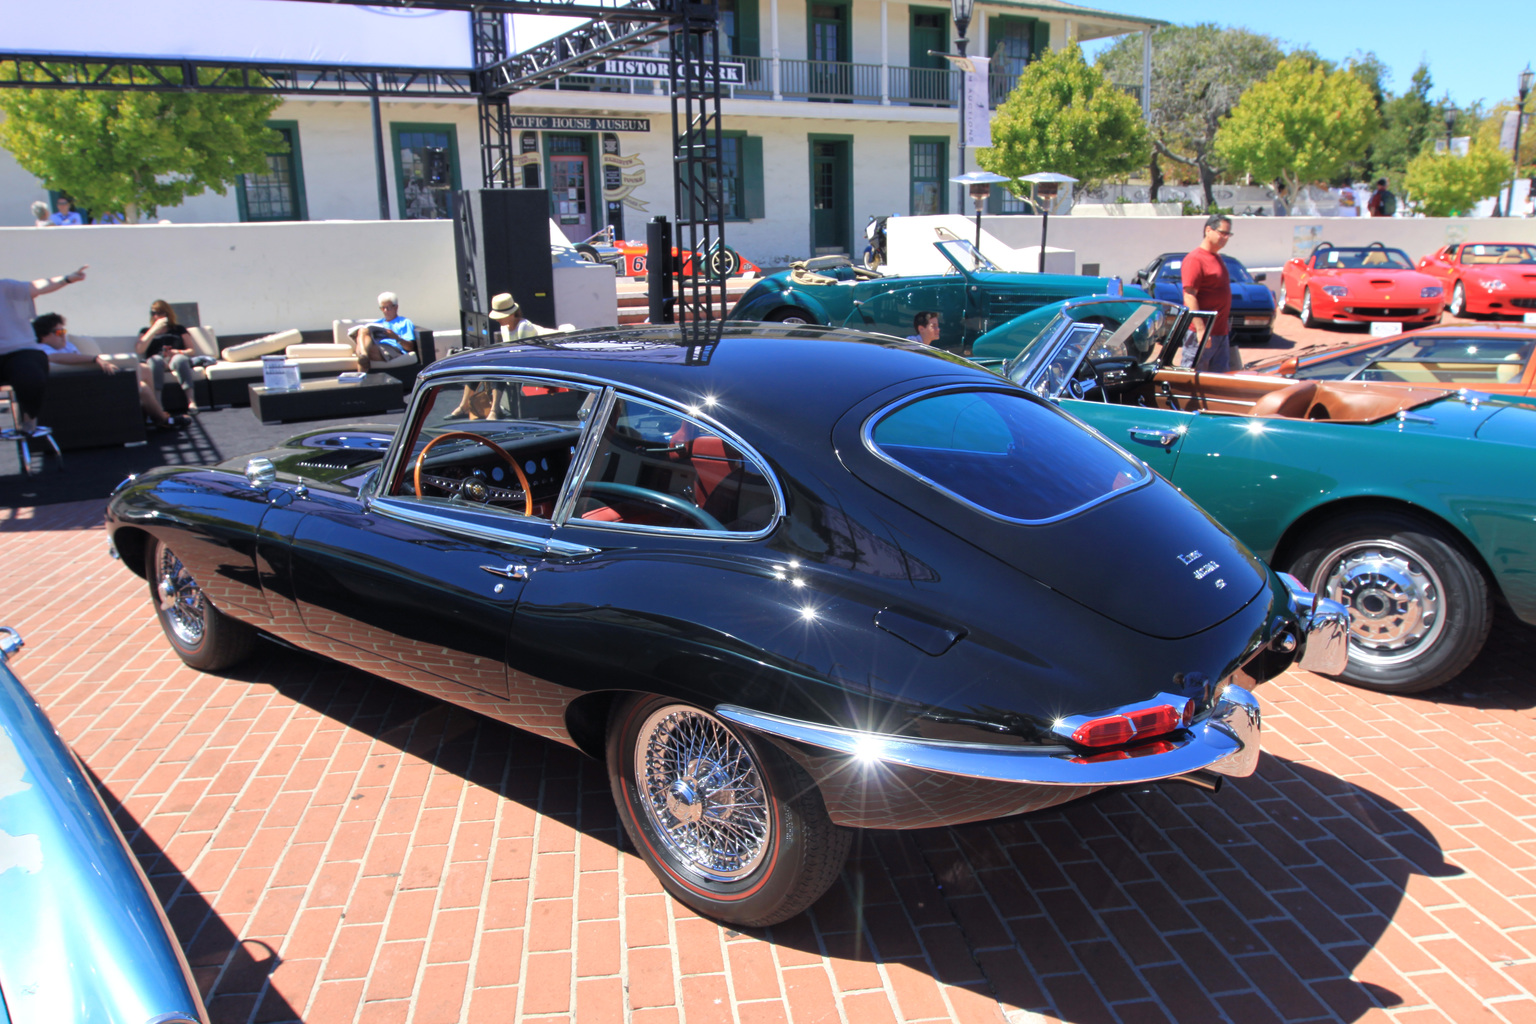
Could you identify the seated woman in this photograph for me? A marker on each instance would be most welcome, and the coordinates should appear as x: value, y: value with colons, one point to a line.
x: 166, y: 343
x: 53, y: 336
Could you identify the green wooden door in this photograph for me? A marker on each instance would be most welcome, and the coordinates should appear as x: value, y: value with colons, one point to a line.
x: 928, y: 31
x: 831, y: 188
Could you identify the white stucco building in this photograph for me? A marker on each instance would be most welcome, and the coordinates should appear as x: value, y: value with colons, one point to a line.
x: 844, y: 115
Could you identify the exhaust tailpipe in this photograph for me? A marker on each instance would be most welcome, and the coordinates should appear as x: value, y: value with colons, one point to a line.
x: 1208, y: 781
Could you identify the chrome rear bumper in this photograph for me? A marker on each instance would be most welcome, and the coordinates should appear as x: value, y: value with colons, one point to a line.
x: 1324, y: 627
x: 1225, y: 742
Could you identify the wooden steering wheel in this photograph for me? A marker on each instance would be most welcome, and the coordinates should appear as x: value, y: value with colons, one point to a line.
x: 464, y: 435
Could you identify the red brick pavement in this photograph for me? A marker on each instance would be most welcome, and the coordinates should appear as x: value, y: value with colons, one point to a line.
x: 331, y: 848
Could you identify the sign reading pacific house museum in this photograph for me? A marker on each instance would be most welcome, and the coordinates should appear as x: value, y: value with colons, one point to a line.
x: 547, y: 123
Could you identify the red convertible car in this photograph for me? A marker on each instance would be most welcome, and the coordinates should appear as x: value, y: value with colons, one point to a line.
x: 1359, y: 284
x: 1485, y: 278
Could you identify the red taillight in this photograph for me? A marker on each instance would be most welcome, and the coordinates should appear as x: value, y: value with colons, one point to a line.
x: 1113, y: 730
x: 1110, y: 731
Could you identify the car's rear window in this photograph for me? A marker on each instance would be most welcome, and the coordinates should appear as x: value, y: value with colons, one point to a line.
x: 1003, y: 453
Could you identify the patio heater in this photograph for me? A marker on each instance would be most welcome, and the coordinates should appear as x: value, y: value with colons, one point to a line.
x: 1525, y: 90
x: 1047, y: 184
x: 980, y: 184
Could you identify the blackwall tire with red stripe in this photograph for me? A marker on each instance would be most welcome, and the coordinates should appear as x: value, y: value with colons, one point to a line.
x: 730, y: 825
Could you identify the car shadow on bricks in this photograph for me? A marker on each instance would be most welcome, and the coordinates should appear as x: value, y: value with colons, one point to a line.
x: 231, y: 974
x: 1274, y: 897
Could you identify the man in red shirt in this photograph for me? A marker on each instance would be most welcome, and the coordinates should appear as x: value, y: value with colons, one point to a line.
x: 1208, y: 287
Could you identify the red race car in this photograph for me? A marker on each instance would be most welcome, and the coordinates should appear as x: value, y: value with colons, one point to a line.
x: 1485, y: 278
x: 1359, y: 284
x: 630, y: 257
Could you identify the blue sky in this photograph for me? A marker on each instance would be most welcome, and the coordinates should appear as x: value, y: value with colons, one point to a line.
x: 1476, y: 49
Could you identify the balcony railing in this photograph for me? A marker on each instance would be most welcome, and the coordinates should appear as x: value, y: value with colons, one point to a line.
x: 825, y: 81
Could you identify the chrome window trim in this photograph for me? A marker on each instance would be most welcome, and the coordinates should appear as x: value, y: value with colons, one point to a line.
x: 397, y: 449
x: 866, y: 433
x: 748, y: 452
x: 586, y: 450
x: 406, y: 510
x: 581, y: 464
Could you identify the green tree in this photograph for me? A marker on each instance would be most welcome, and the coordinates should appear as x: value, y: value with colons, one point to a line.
x: 1064, y: 116
x: 1445, y: 185
x: 134, y: 152
x: 1198, y: 74
x: 1409, y: 122
x: 1302, y: 124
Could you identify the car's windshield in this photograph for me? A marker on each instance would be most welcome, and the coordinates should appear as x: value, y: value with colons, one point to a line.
x: 1496, y: 253
x: 1090, y: 331
x: 1428, y: 359
x: 1372, y: 257
x: 1235, y: 270
x: 965, y: 256
x: 1002, y: 453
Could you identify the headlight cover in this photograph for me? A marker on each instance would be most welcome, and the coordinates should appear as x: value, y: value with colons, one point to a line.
x: 1434, y: 291
x: 1338, y: 291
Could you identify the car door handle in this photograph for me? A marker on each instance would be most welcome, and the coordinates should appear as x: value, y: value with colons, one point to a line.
x: 1149, y: 435
x: 511, y: 572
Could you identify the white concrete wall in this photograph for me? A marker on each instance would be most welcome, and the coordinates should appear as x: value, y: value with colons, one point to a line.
x: 246, y: 278
x: 1123, y: 245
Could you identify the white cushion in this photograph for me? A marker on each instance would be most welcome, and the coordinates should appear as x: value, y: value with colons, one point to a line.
x: 339, y: 329
x: 204, y: 340
x: 318, y: 351
x: 251, y: 368
x: 269, y: 345
x: 86, y: 346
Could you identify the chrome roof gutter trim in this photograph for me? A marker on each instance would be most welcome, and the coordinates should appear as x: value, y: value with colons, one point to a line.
x: 1225, y: 742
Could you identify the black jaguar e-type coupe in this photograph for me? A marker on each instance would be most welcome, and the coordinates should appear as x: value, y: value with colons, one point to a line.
x: 786, y: 581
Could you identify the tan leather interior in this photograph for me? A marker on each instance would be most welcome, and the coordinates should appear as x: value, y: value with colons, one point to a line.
x: 1280, y: 398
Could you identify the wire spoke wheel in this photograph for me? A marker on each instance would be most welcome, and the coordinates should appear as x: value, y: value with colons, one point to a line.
x: 730, y: 824
x: 182, y: 606
x: 203, y: 637
x: 703, y: 793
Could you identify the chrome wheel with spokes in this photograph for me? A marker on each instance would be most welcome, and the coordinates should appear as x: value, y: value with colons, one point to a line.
x: 730, y: 825
x: 703, y: 793
x: 1393, y: 596
x: 204, y: 637
x: 181, y: 600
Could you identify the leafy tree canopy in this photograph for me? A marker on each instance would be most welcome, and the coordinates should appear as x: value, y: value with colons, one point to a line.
x: 1064, y: 116
x: 1444, y: 185
x: 134, y: 152
x: 1409, y: 122
x: 1302, y: 124
x: 1198, y: 74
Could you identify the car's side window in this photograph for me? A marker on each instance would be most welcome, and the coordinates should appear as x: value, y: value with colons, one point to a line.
x: 654, y: 467
x: 495, y: 442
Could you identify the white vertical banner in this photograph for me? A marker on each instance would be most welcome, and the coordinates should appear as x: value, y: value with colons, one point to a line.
x: 978, y: 118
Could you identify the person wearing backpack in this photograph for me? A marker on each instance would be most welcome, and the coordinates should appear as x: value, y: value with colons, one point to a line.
x: 1382, y: 203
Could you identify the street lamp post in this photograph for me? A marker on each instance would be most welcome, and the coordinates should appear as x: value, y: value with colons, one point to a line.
x: 1525, y: 90
x: 1450, y: 122
x: 961, y: 9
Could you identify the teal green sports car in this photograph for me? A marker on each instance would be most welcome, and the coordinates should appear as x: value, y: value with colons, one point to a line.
x: 1415, y: 507
x: 971, y: 297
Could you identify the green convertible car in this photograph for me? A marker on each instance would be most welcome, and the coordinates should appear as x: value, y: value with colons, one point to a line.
x: 972, y: 297
x: 1414, y: 507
